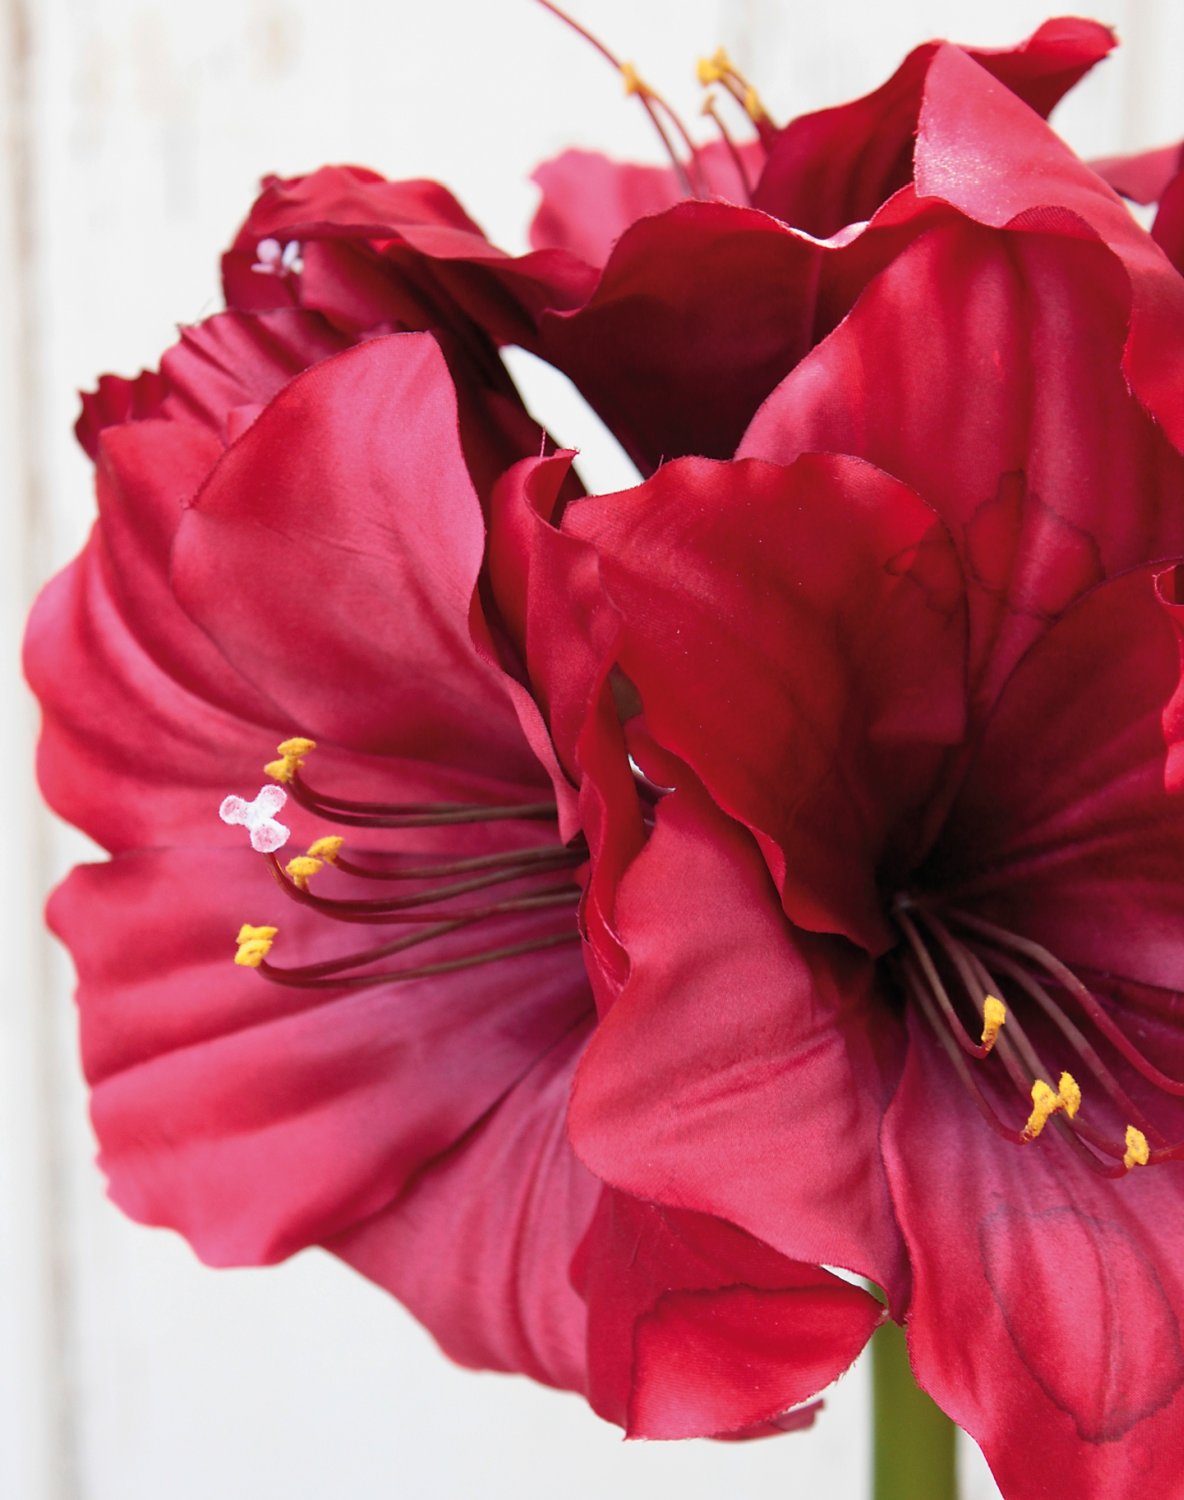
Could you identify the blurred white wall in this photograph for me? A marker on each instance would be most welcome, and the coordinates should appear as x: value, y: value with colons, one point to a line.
x: 132, y: 134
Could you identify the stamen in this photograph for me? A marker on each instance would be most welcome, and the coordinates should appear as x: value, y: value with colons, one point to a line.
x: 1069, y: 981
x: 994, y: 1018
x: 301, y: 869
x: 1074, y: 1035
x: 292, y: 753
x: 1046, y: 1102
x: 720, y: 69
x: 425, y: 971
x: 254, y: 944
x: 426, y: 910
x: 638, y: 89
x: 327, y: 848
x: 961, y: 1066
x: 1138, y: 1152
x: 712, y: 113
x: 393, y: 909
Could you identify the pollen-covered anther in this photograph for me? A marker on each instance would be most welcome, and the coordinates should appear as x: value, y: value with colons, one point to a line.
x: 1047, y: 1102
x: 327, y: 848
x: 1138, y: 1152
x: 994, y: 1018
x: 301, y: 869
x: 254, y: 944
x: 634, y: 83
x: 715, y: 68
x: 291, y: 753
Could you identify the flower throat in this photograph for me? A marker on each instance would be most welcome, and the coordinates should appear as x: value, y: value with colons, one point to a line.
x: 959, y: 970
x: 424, y: 907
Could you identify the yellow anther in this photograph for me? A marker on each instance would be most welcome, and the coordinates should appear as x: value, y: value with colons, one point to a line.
x: 994, y: 1017
x: 1046, y: 1102
x: 1138, y: 1152
x: 292, y: 753
x: 714, y: 69
x: 254, y: 944
x: 301, y: 869
x: 634, y: 83
x: 1070, y: 1095
x: 327, y: 848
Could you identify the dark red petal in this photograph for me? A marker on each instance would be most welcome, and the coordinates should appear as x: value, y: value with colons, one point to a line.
x: 256, y: 1118
x: 1063, y: 830
x: 132, y: 750
x: 115, y: 402
x: 235, y: 360
x: 743, y: 1070
x: 796, y: 636
x: 981, y: 151
x: 697, y: 1329
x: 146, y: 724
x: 589, y: 200
x: 452, y: 258
x: 1168, y: 229
x: 837, y: 166
x: 1169, y: 589
x: 333, y: 556
x: 479, y: 1246
x: 1050, y: 476
x: 699, y: 313
x: 1047, y: 1301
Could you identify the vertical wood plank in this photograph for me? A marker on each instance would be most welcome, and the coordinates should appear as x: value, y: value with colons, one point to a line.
x: 35, y: 1458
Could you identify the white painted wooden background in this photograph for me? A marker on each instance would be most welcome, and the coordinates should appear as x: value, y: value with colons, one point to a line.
x: 133, y: 132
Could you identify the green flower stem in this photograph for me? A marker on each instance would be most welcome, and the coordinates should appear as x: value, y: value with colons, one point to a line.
x: 913, y: 1453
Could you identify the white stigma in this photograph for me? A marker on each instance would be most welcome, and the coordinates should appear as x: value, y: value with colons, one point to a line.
x: 258, y: 818
x: 274, y: 259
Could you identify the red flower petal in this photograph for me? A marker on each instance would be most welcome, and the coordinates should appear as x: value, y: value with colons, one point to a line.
x: 743, y: 1071
x: 256, y: 1118
x: 839, y: 165
x: 696, y: 1329
x: 797, y: 637
x: 982, y: 152
x: 1062, y: 829
x: 1068, y: 1284
x: 479, y: 1246
x: 346, y: 526
x: 589, y: 200
x: 1050, y: 477
x: 363, y: 212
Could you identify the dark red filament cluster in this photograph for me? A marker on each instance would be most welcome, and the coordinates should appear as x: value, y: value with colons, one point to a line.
x: 434, y: 908
x: 950, y: 960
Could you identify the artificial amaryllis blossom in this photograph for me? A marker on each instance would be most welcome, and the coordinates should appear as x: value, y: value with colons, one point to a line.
x: 349, y: 1012
x: 906, y: 942
x: 787, y: 836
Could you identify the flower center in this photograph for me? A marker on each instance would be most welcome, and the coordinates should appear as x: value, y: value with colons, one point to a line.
x: 420, y: 899
x: 969, y: 977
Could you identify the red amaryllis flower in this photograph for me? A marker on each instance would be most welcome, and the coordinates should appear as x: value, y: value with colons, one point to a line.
x: 702, y: 309
x: 292, y: 548
x: 902, y: 679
